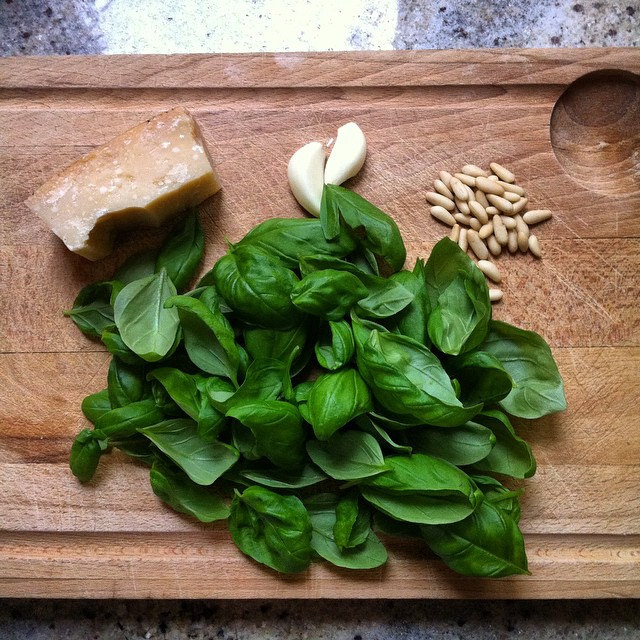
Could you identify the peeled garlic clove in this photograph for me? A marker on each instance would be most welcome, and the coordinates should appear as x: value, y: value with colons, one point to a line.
x: 306, y: 176
x: 347, y: 156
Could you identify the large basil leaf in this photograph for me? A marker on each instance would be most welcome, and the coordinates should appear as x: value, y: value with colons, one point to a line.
x: 145, y: 326
x: 125, y: 383
x: 335, y: 399
x: 461, y: 445
x: 257, y: 287
x: 349, y: 455
x: 176, y: 489
x: 85, y: 453
x: 458, y: 297
x: 537, y: 384
x: 511, y: 455
x: 370, y: 226
x: 277, y: 429
x: 276, y: 344
x: 272, y: 529
x: 92, y: 310
x: 291, y: 238
x: 328, y: 293
x: 96, y: 405
x: 370, y: 553
x: 335, y: 347
x: 208, y: 337
x: 481, y: 376
x: 422, y: 489
x: 407, y: 379
x: 204, y: 462
x: 182, y: 251
x: 285, y: 478
x: 124, y: 422
x: 488, y: 544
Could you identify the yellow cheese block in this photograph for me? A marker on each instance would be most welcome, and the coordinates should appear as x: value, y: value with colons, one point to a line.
x: 142, y: 177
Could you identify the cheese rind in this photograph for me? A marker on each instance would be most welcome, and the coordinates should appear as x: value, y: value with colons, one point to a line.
x: 140, y: 178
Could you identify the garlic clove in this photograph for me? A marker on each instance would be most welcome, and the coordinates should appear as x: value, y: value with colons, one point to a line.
x: 347, y: 156
x: 306, y: 176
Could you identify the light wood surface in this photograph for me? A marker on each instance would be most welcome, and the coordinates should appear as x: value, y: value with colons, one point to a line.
x: 422, y: 112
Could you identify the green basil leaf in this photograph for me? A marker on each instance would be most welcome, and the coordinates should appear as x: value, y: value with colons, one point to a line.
x: 481, y: 376
x: 182, y: 251
x: 397, y: 528
x: 124, y: 422
x: 411, y: 321
x: 257, y: 287
x: 115, y: 346
x: 537, y: 384
x: 137, y: 447
x: 486, y: 544
x: 369, y: 424
x: 307, y: 476
x: 511, y: 455
x: 328, y: 293
x: 352, y: 522
x: 138, y: 266
x: 275, y: 344
x: 335, y: 346
x: 204, y: 462
x: 348, y: 455
x: 85, y: 454
x: 96, y: 405
x: 335, y: 399
x: 145, y: 326
x: 505, y: 499
x: 277, y: 429
x: 422, y: 489
x: 407, y: 379
x: 181, y: 387
x: 208, y: 337
x: 125, y: 383
x: 371, y: 227
x: 365, y: 260
x: 176, y: 489
x: 272, y: 529
x: 366, y: 555
x: 288, y: 239
x: 92, y: 311
x: 386, y: 298
x: 461, y: 445
x: 210, y: 420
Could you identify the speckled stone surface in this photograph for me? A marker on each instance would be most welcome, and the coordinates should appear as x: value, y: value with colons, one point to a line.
x: 33, y: 27
x: 324, y: 620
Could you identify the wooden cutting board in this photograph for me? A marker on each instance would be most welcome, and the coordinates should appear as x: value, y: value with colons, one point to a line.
x: 574, y: 147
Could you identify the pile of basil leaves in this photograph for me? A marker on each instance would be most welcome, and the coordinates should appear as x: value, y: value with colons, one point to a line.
x: 313, y: 401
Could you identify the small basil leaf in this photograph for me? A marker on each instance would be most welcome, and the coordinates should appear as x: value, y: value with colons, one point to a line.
x: 124, y: 422
x: 353, y: 522
x: 85, y: 454
x: 96, y: 405
x: 275, y: 344
x: 307, y: 476
x: 92, y: 311
x: 115, y: 346
x: 386, y: 298
x: 125, y: 383
x: 335, y: 347
x: 481, y: 376
x: 411, y: 321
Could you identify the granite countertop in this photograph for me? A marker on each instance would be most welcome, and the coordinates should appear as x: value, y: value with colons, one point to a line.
x: 38, y: 27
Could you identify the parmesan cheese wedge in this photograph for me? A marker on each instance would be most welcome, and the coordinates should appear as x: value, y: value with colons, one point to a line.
x: 141, y: 178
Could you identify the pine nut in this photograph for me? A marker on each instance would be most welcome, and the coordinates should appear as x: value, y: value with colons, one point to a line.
x: 521, y: 225
x: 534, y: 246
x: 501, y: 172
x: 459, y: 190
x: 536, y: 215
x: 494, y: 178
x: 486, y: 230
x: 478, y: 211
x: 442, y: 188
x: 473, y: 170
x: 462, y: 219
x: 520, y: 205
x: 440, y: 213
x: 481, y: 198
x: 491, y: 210
x: 472, y: 196
x: 494, y: 246
x: 477, y: 245
x: 489, y: 186
x: 512, y: 242
x: 511, y: 197
x: 474, y: 223
x: 490, y: 270
x: 514, y: 188
x: 500, y: 203
x: 440, y: 200
x: 462, y: 240
x: 455, y: 232
x: 470, y: 181
x: 495, y: 295
x: 523, y: 241
x: 508, y: 222
x: 445, y: 176
x: 499, y: 230
x: 463, y: 207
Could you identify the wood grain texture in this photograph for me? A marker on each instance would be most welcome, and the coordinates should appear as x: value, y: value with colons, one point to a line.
x: 422, y: 112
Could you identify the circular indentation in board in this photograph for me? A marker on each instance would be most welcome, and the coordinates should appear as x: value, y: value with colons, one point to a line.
x: 595, y: 132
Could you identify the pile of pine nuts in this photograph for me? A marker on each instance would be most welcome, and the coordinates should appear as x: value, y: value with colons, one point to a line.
x: 486, y: 212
